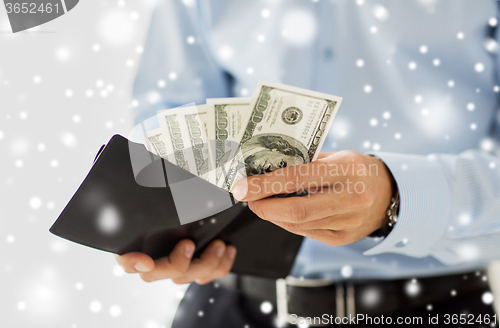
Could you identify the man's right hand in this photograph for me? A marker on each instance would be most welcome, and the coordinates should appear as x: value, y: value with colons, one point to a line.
x: 214, y: 263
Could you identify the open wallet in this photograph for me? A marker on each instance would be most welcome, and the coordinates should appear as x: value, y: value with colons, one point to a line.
x: 135, y: 201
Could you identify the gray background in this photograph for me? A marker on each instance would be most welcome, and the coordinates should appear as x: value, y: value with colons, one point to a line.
x: 64, y: 91
x: 48, y: 139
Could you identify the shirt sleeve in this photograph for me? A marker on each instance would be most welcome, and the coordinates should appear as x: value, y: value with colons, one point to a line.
x: 176, y: 67
x: 449, y: 207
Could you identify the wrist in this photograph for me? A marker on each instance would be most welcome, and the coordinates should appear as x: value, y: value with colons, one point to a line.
x: 390, y: 201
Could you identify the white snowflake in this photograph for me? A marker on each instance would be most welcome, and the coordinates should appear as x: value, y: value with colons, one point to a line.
x: 96, y: 47
x: 77, y: 119
x: 68, y: 139
x: 250, y: 70
x: 360, y: 63
x: 487, y: 144
x: 436, y: 62
x: 115, y: 311
x: 265, y: 13
x: 134, y: 15
x: 118, y: 271
x: 413, y: 288
x: 299, y: 27
x: 35, y: 203
x: 423, y: 49
x: 373, y: 29
x: 373, y: 122
x: 37, y: 79
x: 161, y: 83
x: 451, y: 83
x: 266, y: 307
x: 471, y: 107
x: 425, y: 111
x: 63, y: 53
x: 21, y: 306
x: 386, y: 115
x: 418, y: 99
x: 479, y: 67
x: 412, y: 65
x: 493, y: 22
x: 487, y: 298
x: 460, y: 35
x: 473, y: 126
x: 79, y: 285
x: 380, y: 12
x: 492, y: 165
x: 366, y: 144
x: 397, y: 135
x: 376, y: 147
x: 68, y: 93
x: 346, y: 271
x: 367, y: 88
x: 10, y: 239
x: 95, y: 306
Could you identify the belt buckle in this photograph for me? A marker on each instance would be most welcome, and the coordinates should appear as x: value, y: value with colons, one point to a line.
x: 282, y: 294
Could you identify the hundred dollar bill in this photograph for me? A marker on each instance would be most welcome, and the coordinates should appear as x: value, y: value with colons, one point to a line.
x: 154, y: 143
x: 176, y: 138
x: 226, y: 119
x: 195, y: 121
x: 286, y: 126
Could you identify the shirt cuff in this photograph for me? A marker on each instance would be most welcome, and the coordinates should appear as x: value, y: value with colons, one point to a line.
x: 424, y: 209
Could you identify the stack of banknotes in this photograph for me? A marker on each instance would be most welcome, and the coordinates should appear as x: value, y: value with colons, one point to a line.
x: 228, y: 139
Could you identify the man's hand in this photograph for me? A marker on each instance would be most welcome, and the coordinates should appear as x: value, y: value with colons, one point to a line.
x: 214, y: 263
x: 349, y: 194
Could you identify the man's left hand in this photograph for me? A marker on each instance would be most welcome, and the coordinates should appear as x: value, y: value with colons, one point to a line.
x: 349, y: 194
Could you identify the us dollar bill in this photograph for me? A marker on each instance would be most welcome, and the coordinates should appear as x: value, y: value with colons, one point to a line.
x: 227, y: 117
x: 175, y: 136
x: 195, y: 121
x: 286, y: 126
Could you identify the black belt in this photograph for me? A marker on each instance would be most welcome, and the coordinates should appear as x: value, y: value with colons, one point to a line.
x: 316, y: 297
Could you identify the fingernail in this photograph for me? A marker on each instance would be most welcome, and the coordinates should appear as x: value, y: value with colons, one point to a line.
x: 240, y: 190
x: 219, y: 251
x: 188, y: 251
x: 231, y: 252
x: 139, y: 266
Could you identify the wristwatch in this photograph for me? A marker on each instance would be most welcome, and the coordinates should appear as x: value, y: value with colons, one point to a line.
x: 392, y: 214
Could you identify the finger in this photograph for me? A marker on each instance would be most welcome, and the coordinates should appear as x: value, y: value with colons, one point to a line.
x: 317, y: 205
x: 341, y: 222
x: 135, y: 262
x: 174, y: 265
x: 286, y: 180
x: 205, y: 265
x: 224, y: 267
x: 324, y: 155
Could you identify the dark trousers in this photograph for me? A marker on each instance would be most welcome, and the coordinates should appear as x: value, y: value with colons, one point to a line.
x: 211, y: 306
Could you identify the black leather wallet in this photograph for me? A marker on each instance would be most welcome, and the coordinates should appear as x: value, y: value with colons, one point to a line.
x: 134, y: 201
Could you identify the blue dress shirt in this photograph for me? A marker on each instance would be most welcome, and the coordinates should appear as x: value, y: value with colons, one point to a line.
x: 419, y: 82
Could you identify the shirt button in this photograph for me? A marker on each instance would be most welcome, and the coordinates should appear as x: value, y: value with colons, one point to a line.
x: 328, y: 53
